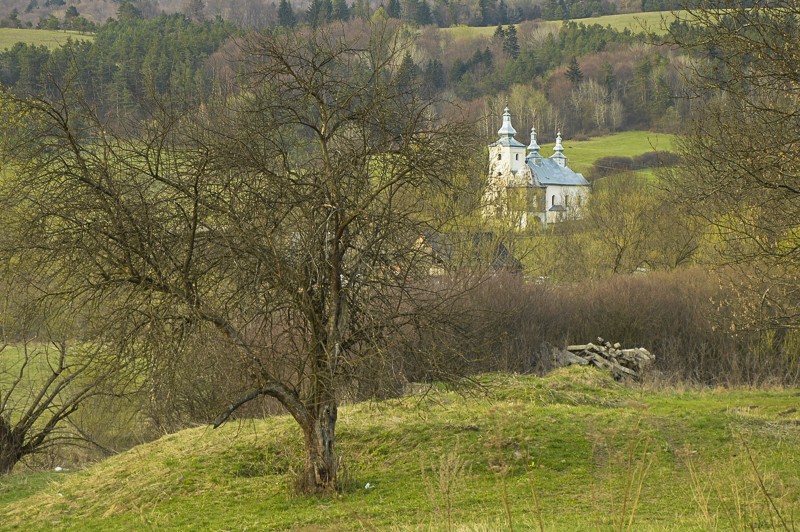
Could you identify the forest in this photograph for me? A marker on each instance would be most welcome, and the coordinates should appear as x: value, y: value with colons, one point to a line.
x: 584, y: 80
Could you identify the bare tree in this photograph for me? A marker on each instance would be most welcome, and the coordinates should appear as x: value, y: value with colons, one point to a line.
x: 287, y: 223
x: 742, y: 170
x: 46, y: 373
x: 621, y: 218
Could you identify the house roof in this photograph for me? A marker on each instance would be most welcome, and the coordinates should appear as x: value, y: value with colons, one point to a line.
x: 548, y: 172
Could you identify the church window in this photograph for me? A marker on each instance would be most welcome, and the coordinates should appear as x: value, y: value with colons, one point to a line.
x: 499, y: 156
x: 553, y: 201
x: 516, y: 156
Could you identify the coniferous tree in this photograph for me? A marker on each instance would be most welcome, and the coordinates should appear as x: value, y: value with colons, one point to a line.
x: 607, y: 78
x: 423, y: 15
x: 393, y: 9
x: 13, y: 20
x: 502, y: 13
x: 499, y: 33
x: 433, y: 75
x: 341, y: 11
x: 195, y: 10
x: 361, y: 9
x: 286, y: 16
x: 406, y: 74
x: 574, y: 73
x: 327, y: 11
x: 127, y: 11
x: 487, y: 16
x: 319, y: 12
x: 510, y: 42
x: 487, y: 57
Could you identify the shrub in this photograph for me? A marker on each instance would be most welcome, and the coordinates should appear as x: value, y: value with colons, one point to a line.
x: 656, y: 159
x: 675, y: 315
x: 613, y: 164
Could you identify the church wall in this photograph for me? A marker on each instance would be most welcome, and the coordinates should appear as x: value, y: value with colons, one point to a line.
x: 572, y: 198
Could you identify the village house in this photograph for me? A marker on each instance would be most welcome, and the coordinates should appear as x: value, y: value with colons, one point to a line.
x: 525, y: 186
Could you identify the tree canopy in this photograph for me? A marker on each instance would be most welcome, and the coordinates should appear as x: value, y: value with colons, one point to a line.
x: 742, y: 168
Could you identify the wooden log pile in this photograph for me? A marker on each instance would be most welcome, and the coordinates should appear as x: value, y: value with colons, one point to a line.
x: 611, y: 357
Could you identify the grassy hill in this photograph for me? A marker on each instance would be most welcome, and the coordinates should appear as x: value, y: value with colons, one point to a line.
x: 650, y: 21
x: 582, y: 154
x: 49, y: 38
x: 636, y: 22
x: 575, y: 450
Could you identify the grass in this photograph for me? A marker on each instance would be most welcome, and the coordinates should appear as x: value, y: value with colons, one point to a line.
x: 636, y: 22
x: 650, y: 22
x: 48, y: 38
x: 582, y: 154
x: 574, y: 449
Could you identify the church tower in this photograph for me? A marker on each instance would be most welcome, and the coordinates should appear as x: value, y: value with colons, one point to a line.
x: 507, y: 155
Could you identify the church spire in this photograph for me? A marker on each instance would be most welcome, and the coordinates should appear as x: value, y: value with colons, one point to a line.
x: 506, y: 130
x: 558, y: 152
x: 534, y: 146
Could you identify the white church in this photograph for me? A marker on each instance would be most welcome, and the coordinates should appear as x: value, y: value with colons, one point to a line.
x: 525, y: 186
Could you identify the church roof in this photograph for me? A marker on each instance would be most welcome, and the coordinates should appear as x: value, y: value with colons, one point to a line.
x: 507, y: 130
x: 507, y: 133
x: 546, y: 171
x: 508, y: 141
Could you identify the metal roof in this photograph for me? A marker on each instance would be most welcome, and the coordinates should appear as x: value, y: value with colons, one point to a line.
x: 507, y: 130
x: 548, y: 172
x: 508, y: 141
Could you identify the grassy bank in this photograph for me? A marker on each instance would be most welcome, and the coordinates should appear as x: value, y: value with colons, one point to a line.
x: 574, y: 450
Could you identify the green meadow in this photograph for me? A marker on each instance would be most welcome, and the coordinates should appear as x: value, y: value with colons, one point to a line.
x: 582, y: 154
x: 48, y: 38
x: 572, y: 451
x: 651, y: 22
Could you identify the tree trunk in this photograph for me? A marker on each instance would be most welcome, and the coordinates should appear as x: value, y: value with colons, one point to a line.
x: 10, y: 448
x: 321, y: 464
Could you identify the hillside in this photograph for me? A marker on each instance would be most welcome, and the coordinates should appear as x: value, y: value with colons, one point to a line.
x: 584, y: 450
x: 582, y: 154
x: 650, y: 22
x: 48, y: 38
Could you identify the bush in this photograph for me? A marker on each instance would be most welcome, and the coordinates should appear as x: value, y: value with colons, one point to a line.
x: 613, y: 164
x: 656, y: 159
x: 674, y: 314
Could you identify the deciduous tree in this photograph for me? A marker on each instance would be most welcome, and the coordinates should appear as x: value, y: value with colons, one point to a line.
x: 742, y: 146
x: 290, y: 222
